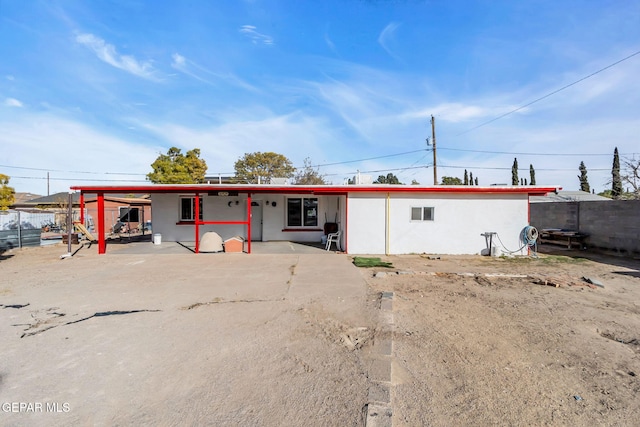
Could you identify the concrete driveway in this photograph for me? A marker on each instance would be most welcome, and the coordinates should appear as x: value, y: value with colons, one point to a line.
x: 175, y: 339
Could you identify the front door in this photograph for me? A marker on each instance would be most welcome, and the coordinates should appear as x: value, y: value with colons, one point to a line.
x: 256, y: 221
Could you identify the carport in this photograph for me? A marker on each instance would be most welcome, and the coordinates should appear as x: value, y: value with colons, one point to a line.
x: 247, y: 193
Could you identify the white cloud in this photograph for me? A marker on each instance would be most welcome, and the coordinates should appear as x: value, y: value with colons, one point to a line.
x: 386, y: 37
x: 330, y: 43
x: 295, y: 135
x: 255, y: 36
x: 63, y: 147
x: 10, y: 78
x: 455, y: 112
x: 180, y: 64
x: 194, y: 70
x: 178, y: 61
x: 12, y: 102
x: 108, y: 53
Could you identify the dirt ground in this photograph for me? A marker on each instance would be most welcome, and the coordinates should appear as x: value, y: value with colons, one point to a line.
x: 181, y: 339
x: 498, y: 350
x: 115, y: 340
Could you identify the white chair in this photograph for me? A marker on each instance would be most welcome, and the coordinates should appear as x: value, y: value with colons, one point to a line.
x: 333, y: 238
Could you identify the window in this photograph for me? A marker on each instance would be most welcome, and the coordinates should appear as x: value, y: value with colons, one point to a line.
x: 302, y: 212
x: 127, y: 214
x: 422, y: 214
x: 188, y: 209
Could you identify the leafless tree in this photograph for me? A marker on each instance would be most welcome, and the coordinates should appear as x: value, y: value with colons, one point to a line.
x: 631, y: 176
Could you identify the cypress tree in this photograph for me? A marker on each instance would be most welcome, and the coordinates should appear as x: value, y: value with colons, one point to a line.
x: 466, y: 178
x: 532, y: 173
x: 514, y: 172
x: 616, y: 182
x: 584, y: 182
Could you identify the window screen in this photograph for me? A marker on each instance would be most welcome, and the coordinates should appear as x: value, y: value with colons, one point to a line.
x: 416, y: 214
x: 422, y: 214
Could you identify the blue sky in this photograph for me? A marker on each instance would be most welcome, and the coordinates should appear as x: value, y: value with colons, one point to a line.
x: 94, y: 91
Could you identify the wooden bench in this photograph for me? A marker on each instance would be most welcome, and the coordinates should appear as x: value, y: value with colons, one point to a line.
x: 563, y: 237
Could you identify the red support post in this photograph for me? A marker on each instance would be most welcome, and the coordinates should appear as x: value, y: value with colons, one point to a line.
x: 248, y: 223
x: 197, y: 222
x: 82, y: 208
x: 102, y: 242
x: 346, y: 222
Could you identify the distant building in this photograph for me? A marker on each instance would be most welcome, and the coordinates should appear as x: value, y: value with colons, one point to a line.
x: 219, y: 179
x: 24, y: 197
x: 568, y: 196
x: 132, y: 208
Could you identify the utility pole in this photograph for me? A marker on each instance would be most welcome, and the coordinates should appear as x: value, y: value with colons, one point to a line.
x: 47, y: 183
x: 433, y: 138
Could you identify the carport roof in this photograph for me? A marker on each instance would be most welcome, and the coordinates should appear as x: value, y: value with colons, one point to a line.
x: 314, y: 189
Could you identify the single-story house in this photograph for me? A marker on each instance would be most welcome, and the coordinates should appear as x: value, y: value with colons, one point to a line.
x: 372, y: 219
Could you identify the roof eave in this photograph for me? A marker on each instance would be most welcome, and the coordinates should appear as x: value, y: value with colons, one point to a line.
x: 316, y: 189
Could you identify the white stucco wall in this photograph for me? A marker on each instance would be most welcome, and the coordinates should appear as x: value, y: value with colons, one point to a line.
x: 166, y: 211
x: 166, y: 215
x: 459, y: 220
x: 274, y: 218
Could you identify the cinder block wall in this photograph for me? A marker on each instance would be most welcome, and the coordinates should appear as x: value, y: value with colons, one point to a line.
x: 554, y: 215
x: 612, y: 225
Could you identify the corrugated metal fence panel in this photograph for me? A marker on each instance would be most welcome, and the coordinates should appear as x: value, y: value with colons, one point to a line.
x: 30, y: 237
x: 28, y: 220
x: 9, y: 238
x: 31, y: 224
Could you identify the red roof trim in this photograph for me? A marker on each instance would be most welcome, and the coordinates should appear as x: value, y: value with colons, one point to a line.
x: 314, y: 189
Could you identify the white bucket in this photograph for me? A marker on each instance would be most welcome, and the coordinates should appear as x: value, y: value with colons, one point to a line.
x: 157, y: 239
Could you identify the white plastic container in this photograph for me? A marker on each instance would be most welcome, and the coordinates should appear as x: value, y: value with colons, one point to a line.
x: 157, y: 239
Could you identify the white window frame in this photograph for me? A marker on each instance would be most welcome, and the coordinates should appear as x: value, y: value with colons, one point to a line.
x: 423, y: 210
x: 192, y: 213
x: 302, y: 213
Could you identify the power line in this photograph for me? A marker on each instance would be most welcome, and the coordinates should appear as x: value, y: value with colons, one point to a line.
x: 66, y: 171
x: 535, y: 154
x: 523, y: 169
x: 213, y: 173
x: 370, y: 158
x: 550, y: 94
x: 401, y: 169
x: 44, y: 178
x: 380, y: 170
x: 325, y: 164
